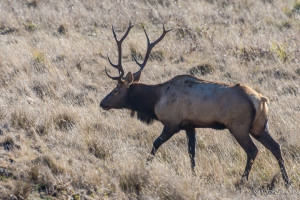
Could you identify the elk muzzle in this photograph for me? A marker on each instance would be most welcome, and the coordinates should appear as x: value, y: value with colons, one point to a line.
x: 104, y: 104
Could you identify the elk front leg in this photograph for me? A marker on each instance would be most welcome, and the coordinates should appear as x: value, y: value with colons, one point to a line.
x: 191, y: 137
x: 166, y: 134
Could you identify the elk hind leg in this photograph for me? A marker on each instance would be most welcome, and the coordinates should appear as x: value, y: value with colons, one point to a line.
x: 266, y: 139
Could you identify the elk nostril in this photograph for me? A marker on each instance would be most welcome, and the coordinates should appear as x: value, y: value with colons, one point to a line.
x: 102, y: 105
x: 105, y: 106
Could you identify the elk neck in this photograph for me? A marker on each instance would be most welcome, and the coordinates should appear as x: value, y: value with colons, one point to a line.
x: 142, y: 99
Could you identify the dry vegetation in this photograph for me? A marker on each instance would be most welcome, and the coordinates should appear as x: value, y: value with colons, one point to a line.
x: 55, y: 141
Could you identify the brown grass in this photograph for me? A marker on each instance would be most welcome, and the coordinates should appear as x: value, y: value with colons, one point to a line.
x: 56, y: 143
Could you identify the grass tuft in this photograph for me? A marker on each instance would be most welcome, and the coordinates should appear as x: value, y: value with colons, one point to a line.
x: 62, y: 29
x: 203, y: 69
x: 31, y: 27
x: 22, y: 119
x: 157, y: 55
x: 64, y: 122
x: 132, y: 182
x: 22, y: 190
x: 282, y: 51
x: 98, y: 150
x: 32, y: 4
x: 8, y: 143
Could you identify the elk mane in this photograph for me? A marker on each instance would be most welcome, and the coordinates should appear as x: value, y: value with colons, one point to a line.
x: 141, y: 101
x: 142, y: 116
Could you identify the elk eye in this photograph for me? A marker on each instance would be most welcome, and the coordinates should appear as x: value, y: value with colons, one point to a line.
x: 116, y: 91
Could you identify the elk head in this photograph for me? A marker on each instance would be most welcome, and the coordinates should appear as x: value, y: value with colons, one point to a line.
x: 117, y: 98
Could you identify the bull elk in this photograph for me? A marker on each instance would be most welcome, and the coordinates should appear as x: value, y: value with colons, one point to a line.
x: 186, y: 102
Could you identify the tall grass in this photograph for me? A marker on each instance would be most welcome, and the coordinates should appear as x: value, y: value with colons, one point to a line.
x: 55, y: 141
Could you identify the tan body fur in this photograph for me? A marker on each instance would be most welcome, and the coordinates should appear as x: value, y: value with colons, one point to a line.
x: 199, y: 103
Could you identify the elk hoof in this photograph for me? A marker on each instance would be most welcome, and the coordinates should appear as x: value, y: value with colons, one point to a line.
x: 240, y: 184
x: 149, y: 159
x: 288, y: 184
x: 193, y: 171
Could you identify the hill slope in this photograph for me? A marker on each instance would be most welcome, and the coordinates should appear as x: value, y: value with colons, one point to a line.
x: 55, y: 141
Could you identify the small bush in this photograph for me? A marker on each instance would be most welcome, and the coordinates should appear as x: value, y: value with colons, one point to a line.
x: 252, y: 53
x: 5, y: 173
x: 62, y: 29
x: 132, y: 182
x: 296, y: 7
x: 7, y: 30
x: 42, y: 90
x: 294, y: 151
x: 64, y: 122
x: 202, y: 69
x: 184, y: 32
x: 79, y: 99
x: 30, y: 27
x: 98, y: 150
x: 43, y: 128
x: 168, y: 192
x: 21, y: 120
x: 45, y: 183
x: 288, y: 12
x: 157, y: 55
x: 34, y: 173
x: 286, y: 25
x: 135, y: 54
x: 22, y: 190
x: 40, y: 174
x: 39, y: 63
x: 8, y: 143
x: 39, y: 57
x: 32, y: 4
x: 52, y: 164
x: 297, y: 72
x: 281, y: 74
x: 3, y: 113
x: 290, y: 90
x: 282, y: 51
x: 179, y: 60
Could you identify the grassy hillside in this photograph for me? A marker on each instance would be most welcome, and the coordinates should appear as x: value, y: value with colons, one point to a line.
x: 56, y: 142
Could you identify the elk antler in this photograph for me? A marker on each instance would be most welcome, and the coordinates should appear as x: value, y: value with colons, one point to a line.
x: 119, y: 44
x: 150, y: 45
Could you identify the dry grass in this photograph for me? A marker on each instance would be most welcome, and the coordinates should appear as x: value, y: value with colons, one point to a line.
x: 56, y: 143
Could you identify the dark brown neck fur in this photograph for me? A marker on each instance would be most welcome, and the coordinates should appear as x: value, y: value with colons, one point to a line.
x: 142, y: 100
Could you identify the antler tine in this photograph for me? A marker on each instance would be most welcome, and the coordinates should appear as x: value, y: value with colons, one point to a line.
x: 114, y: 78
x: 149, y: 48
x: 162, y: 36
x: 115, y: 66
x: 119, y: 44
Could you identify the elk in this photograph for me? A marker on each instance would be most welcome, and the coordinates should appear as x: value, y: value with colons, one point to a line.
x: 186, y: 103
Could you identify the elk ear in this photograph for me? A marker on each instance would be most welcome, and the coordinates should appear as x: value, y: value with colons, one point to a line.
x: 129, y: 78
x: 136, y: 77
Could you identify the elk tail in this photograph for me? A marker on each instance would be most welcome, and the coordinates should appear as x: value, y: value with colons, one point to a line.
x: 264, y: 99
x: 261, y: 115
